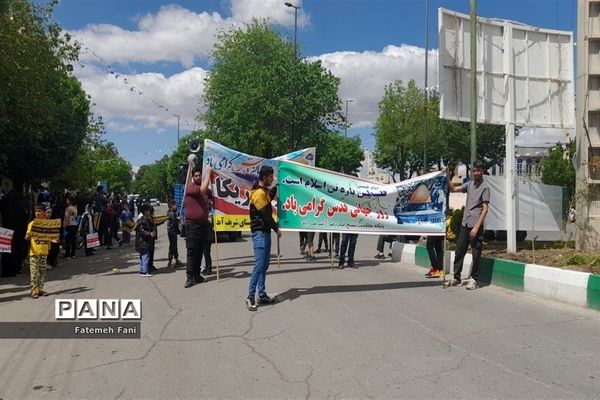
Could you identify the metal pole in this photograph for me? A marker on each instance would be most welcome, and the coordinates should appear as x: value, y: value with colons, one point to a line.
x: 178, y: 130
x: 295, y: 32
x: 426, y: 92
x: 473, y: 81
x: 346, y: 127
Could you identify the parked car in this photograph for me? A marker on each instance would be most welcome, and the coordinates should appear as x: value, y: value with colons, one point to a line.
x: 154, y: 202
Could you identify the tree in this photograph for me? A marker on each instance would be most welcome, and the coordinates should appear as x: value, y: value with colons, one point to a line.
x: 396, y: 130
x: 262, y: 101
x: 151, y: 180
x: 341, y: 154
x: 556, y: 170
x: 44, y: 111
x: 490, y: 142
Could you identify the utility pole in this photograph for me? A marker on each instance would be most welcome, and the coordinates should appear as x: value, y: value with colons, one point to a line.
x: 425, y: 169
x: 296, y: 8
x: 346, y: 127
x: 177, y: 130
x: 473, y: 81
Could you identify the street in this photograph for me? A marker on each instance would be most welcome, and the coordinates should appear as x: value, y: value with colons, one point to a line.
x: 379, y: 331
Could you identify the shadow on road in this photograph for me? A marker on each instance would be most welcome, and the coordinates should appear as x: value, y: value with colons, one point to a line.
x: 295, y: 293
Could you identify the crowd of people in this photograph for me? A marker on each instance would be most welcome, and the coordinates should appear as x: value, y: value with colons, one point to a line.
x: 83, y: 218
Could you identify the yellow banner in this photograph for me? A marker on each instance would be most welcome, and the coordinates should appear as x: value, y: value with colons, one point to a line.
x: 231, y: 222
x: 128, y: 226
x: 46, y: 229
x: 228, y: 223
x: 160, y: 219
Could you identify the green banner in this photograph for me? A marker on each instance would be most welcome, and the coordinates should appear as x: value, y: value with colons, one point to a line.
x: 313, y: 199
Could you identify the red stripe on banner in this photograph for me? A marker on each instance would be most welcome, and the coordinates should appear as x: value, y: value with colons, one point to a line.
x: 6, y: 240
x: 228, y: 208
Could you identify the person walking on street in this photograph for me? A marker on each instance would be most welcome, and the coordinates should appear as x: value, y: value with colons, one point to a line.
x: 471, y: 231
x: 172, y: 233
x: 323, y: 239
x: 197, y: 228
x: 86, y: 227
x: 261, y: 224
x: 144, y: 240
x: 70, y: 225
x: 38, y: 252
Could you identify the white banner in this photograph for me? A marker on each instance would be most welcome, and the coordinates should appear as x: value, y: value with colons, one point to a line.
x: 6, y: 236
x: 540, y: 207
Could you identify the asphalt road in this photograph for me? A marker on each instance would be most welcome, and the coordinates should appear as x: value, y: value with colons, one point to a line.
x: 379, y: 331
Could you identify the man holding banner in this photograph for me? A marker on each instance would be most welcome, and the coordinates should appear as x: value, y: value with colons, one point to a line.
x: 197, y: 229
x: 261, y: 223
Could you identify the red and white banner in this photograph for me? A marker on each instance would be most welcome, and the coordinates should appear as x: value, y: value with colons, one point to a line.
x: 92, y: 240
x: 6, y: 236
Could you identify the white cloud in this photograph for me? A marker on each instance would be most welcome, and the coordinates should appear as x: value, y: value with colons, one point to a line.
x: 541, y: 137
x: 274, y: 10
x: 178, y: 94
x: 364, y: 75
x: 175, y: 33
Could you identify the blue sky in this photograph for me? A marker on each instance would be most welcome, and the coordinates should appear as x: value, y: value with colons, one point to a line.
x: 161, y: 50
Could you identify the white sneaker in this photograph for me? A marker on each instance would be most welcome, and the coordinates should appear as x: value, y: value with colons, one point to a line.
x: 472, y: 285
x: 48, y: 266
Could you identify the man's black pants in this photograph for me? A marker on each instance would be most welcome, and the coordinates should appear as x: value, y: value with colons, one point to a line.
x: 196, y: 236
x: 462, y: 244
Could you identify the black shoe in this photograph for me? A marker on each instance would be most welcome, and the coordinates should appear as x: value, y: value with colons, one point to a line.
x: 189, y: 283
x: 266, y: 300
x: 351, y: 264
x: 341, y: 265
x: 380, y: 256
x: 198, y: 279
x: 251, y: 304
x: 206, y: 271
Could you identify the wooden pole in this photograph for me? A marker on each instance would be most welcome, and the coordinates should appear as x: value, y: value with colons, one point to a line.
x: 278, y: 254
x: 217, y: 245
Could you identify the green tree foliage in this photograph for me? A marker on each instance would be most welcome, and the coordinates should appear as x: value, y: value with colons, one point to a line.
x: 44, y: 111
x: 399, y: 134
x: 397, y: 128
x: 151, y: 180
x: 556, y: 170
x: 341, y: 154
x: 262, y: 101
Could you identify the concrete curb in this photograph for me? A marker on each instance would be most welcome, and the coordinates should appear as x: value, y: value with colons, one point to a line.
x: 572, y: 287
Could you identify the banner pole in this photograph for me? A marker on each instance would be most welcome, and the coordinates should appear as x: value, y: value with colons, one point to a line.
x: 278, y: 254
x: 331, y: 249
x: 217, y: 243
x: 444, y: 264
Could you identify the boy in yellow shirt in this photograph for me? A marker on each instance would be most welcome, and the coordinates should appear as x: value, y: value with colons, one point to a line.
x: 38, y: 251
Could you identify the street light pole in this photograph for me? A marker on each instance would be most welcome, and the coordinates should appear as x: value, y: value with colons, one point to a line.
x: 346, y: 126
x: 296, y: 8
x: 473, y: 81
x: 425, y: 169
x: 177, y: 129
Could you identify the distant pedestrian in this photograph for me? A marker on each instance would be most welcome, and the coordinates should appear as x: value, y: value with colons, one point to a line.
x: 126, y: 217
x: 38, y: 252
x: 471, y: 231
x: 261, y: 224
x: 52, y: 259
x: 303, y: 236
x: 70, y: 225
x: 383, y: 239
x: 151, y: 267
x: 172, y: 233
x: 86, y: 227
x: 144, y: 240
x: 335, y: 245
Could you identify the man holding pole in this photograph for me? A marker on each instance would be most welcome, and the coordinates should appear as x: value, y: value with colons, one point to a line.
x: 261, y: 223
x: 197, y: 228
x: 471, y: 231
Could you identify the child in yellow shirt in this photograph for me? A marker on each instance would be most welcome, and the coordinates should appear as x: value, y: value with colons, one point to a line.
x: 38, y: 251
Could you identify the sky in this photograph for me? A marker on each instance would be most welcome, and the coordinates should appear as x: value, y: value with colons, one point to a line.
x: 145, y: 61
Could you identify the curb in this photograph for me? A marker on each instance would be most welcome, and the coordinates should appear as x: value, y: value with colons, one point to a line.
x: 572, y: 287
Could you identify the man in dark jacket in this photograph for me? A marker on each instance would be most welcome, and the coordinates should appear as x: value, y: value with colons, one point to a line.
x: 144, y: 240
x: 261, y: 223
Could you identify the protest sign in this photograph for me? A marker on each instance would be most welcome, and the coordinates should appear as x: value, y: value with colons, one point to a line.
x: 234, y: 174
x: 46, y: 229
x: 6, y: 236
x: 313, y: 199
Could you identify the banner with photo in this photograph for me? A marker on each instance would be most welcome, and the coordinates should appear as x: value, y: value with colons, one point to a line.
x: 234, y: 174
x: 313, y: 199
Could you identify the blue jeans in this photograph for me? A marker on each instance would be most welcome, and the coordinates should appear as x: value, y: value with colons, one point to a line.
x: 144, y: 261
x: 262, y: 257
